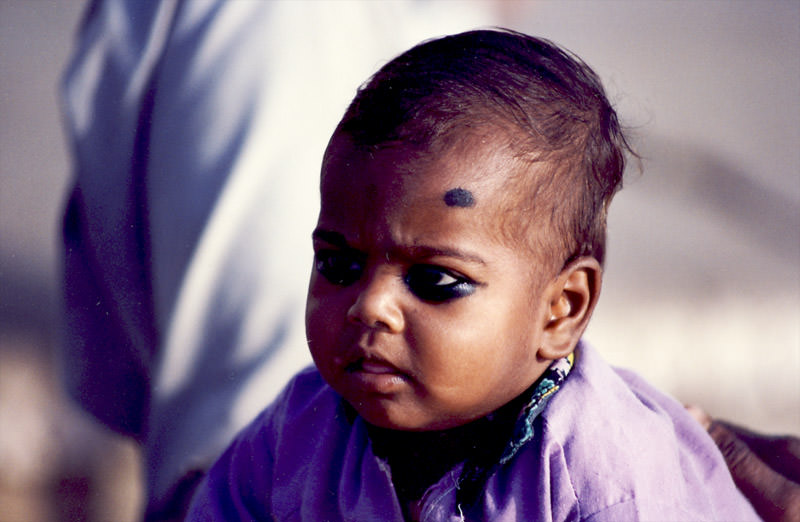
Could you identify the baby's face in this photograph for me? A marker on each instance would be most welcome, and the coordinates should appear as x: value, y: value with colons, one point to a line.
x: 419, y: 313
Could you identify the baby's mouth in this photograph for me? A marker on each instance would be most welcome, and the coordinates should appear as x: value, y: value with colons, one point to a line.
x: 375, y: 375
x: 377, y: 367
x: 372, y: 366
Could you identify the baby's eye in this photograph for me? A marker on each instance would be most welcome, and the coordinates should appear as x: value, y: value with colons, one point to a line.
x: 432, y: 283
x: 340, y: 267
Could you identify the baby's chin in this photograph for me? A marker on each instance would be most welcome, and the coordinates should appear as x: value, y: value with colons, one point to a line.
x: 411, y: 421
x: 381, y: 418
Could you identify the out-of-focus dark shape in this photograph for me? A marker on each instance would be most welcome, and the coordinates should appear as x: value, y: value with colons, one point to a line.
x: 766, y: 468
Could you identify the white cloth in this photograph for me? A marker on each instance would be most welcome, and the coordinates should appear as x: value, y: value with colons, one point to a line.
x: 198, y: 127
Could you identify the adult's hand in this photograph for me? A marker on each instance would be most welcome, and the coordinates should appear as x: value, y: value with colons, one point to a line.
x: 765, y: 468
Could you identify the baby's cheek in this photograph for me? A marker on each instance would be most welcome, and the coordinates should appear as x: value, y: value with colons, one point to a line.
x: 319, y: 325
x: 454, y: 354
x: 325, y: 307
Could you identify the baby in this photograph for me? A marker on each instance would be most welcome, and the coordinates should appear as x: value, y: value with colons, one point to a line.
x: 458, y: 259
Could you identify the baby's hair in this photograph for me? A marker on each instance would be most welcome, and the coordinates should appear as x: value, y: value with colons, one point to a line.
x: 551, y: 106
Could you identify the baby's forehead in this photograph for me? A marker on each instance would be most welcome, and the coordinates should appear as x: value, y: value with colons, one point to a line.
x: 457, y: 172
x: 477, y: 184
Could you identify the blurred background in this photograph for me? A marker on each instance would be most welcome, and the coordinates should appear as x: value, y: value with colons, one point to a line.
x: 702, y: 289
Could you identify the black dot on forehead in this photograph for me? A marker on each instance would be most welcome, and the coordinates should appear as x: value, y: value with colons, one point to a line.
x: 459, y: 197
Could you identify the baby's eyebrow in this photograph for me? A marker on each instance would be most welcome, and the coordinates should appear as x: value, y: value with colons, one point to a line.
x: 410, y: 252
x: 459, y: 197
x: 331, y: 237
x: 423, y: 252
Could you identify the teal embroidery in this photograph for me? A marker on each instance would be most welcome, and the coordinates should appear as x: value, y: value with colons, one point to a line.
x: 548, y: 385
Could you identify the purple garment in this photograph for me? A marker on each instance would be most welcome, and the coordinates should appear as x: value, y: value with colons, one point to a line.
x: 608, y: 446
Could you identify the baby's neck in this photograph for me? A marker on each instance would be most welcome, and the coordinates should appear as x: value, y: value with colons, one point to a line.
x: 420, y: 459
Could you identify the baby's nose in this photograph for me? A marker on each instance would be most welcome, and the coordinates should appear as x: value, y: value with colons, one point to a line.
x: 377, y: 306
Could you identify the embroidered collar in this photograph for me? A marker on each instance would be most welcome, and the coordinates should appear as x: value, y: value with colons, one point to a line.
x: 544, y: 389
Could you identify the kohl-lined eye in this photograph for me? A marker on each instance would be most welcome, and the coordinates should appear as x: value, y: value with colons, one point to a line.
x: 432, y: 283
x: 340, y: 267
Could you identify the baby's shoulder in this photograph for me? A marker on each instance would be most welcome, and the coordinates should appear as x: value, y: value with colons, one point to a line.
x: 613, y: 439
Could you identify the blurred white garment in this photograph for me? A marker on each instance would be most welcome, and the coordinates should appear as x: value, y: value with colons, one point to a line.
x: 198, y: 127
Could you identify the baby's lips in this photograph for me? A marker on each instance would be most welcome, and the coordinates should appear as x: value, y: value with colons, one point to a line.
x: 378, y: 367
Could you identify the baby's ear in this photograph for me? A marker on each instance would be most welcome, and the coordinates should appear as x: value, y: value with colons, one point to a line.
x: 571, y: 299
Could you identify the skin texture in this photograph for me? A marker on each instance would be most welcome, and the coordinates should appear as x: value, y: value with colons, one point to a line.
x: 419, y: 314
x: 765, y: 468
